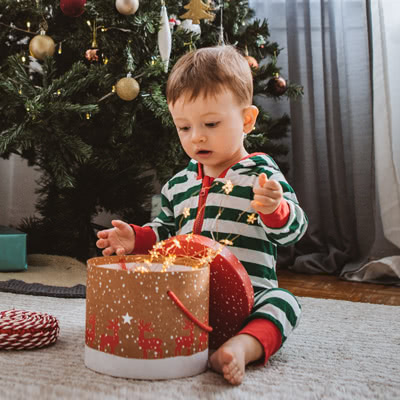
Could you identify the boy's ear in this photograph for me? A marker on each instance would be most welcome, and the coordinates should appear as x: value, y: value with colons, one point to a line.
x: 250, y: 114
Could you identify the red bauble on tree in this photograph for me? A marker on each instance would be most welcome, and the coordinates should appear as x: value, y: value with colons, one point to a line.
x: 72, y: 8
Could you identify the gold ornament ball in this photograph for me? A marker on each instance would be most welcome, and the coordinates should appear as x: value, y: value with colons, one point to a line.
x: 127, y: 88
x: 127, y: 7
x: 41, y: 46
x: 252, y: 62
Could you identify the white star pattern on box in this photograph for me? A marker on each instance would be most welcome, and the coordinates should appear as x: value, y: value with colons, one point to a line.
x: 127, y: 318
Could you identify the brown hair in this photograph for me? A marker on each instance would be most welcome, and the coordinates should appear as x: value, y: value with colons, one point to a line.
x: 208, y: 71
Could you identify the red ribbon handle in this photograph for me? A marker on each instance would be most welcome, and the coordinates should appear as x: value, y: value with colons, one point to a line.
x: 205, y: 327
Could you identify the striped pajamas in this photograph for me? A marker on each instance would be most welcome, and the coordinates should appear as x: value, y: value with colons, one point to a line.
x: 220, y: 209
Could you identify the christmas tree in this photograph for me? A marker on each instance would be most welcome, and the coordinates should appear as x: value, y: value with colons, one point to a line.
x: 82, y: 88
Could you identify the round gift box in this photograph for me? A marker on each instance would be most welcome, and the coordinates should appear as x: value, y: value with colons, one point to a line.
x: 146, y: 323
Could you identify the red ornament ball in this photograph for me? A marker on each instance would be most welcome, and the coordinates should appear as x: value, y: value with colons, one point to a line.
x: 277, y: 86
x: 72, y: 8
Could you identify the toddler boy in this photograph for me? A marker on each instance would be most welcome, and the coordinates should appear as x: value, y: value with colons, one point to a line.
x: 225, y: 193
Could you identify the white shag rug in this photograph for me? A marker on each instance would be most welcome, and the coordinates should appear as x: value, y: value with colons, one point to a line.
x: 341, y: 350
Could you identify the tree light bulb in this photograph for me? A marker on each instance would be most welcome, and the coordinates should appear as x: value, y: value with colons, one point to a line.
x: 28, y: 25
x: 113, y: 89
x: 59, y: 91
x: 87, y: 116
x: 23, y: 58
x: 60, y: 49
x: 88, y: 22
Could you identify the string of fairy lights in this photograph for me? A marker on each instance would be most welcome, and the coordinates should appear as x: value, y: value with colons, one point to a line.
x: 164, y: 251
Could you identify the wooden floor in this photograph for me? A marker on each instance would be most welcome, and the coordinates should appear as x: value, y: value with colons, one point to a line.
x: 331, y: 287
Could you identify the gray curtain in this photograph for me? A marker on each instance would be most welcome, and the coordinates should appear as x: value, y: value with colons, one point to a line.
x: 327, y: 50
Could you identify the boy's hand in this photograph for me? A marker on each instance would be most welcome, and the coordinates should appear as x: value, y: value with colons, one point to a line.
x: 268, y: 196
x: 119, y: 240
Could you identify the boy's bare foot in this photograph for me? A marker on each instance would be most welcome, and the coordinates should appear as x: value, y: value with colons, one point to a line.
x: 232, y: 357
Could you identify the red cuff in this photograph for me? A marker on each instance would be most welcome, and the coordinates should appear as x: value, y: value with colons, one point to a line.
x: 267, y: 333
x: 279, y: 217
x: 145, y: 239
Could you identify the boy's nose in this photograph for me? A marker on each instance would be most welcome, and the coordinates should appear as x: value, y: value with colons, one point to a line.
x: 198, y: 136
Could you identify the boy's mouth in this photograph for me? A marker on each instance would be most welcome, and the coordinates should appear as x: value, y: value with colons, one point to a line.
x: 203, y: 152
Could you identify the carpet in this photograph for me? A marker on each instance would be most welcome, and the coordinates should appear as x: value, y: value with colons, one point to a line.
x: 341, y: 350
x: 47, y: 275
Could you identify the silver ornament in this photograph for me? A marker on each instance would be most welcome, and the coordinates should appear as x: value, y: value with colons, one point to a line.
x: 127, y: 7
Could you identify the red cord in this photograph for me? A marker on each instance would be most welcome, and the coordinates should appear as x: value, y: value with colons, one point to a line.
x: 205, y: 327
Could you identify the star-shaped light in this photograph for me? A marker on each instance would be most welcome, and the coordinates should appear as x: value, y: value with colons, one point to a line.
x: 177, y: 244
x: 228, y: 187
x: 141, y: 269
x: 226, y: 242
x: 127, y: 318
x: 251, y: 218
x: 189, y: 237
x: 186, y: 212
x: 168, y: 261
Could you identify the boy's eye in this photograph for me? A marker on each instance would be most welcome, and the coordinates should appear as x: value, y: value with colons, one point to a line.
x: 212, y: 124
x: 183, y: 128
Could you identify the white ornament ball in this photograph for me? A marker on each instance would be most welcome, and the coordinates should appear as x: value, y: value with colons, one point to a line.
x: 127, y: 7
x: 187, y: 25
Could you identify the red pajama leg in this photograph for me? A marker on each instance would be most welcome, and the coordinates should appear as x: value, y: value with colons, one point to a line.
x: 267, y: 333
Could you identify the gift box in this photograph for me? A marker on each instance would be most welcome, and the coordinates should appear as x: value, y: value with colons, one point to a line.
x: 12, y: 250
x: 155, y: 316
x: 146, y: 320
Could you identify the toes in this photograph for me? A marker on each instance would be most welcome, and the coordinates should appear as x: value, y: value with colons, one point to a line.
x: 233, y: 373
x: 238, y: 378
x: 234, y: 377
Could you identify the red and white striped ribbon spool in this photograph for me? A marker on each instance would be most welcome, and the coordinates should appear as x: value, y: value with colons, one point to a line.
x: 20, y: 330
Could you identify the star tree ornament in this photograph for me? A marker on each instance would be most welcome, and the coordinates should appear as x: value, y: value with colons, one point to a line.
x: 41, y: 46
x: 127, y: 7
x: 72, y: 8
x: 197, y: 10
x: 164, y: 37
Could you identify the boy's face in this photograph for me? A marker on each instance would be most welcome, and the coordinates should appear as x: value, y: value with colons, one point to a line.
x: 211, y: 129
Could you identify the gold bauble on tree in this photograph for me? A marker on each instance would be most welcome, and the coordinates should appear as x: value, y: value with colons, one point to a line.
x: 252, y: 62
x: 127, y: 88
x: 41, y: 46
